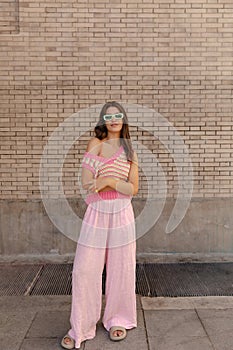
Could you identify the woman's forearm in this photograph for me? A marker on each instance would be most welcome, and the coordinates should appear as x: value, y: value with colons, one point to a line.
x: 102, y: 184
x: 121, y: 186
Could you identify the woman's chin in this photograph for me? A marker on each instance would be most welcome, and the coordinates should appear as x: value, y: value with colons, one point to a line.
x: 114, y: 128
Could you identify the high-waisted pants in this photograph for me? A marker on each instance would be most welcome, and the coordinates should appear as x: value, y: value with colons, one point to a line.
x: 107, y: 236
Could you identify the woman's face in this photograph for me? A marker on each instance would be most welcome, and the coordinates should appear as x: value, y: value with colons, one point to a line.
x: 114, y: 125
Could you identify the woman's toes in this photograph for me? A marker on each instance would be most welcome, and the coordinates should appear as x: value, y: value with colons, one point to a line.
x: 67, y: 340
x: 117, y: 333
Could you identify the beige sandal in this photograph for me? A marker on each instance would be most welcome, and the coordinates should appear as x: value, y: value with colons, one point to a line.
x: 117, y: 337
x: 65, y: 345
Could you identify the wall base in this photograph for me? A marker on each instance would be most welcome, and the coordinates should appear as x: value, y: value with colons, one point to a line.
x: 204, y: 234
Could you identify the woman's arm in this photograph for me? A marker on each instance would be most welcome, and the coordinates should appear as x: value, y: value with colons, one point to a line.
x: 87, y: 176
x: 129, y: 187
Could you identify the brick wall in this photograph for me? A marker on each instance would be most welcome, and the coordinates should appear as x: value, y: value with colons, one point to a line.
x: 173, y: 56
x: 9, y: 16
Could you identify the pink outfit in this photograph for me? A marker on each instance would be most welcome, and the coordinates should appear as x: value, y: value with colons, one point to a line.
x: 107, y: 236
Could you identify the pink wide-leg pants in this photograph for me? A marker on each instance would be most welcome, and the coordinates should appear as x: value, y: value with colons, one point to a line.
x: 107, y: 236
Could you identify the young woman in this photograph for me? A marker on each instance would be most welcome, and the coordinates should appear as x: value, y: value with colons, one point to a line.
x: 107, y: 236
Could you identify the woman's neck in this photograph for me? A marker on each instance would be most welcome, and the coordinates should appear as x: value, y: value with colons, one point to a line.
x: 113, y: 139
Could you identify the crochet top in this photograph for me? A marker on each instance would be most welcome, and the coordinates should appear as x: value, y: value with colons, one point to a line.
x: 116, y: 166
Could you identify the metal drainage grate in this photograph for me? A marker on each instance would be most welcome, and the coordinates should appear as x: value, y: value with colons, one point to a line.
x: 190, y: 279
x: 142, y: 285
x: 166, y: 279
x: 55, y: 279
x: 17, y: 280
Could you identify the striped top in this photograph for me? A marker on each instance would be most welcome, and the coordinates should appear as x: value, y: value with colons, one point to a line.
x: 116, y: 166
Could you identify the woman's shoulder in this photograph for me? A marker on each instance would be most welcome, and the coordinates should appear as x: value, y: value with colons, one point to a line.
x: 94, y: 146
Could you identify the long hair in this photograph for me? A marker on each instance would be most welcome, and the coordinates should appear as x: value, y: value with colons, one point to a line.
x: 101, y: 130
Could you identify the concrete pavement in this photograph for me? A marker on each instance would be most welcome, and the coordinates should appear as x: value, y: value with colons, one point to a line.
x: 190, y: 323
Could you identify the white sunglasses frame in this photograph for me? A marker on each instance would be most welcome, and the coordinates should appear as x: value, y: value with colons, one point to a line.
x: 113, y: 115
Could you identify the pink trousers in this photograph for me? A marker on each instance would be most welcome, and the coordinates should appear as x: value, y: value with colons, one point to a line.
x: 107, y: 236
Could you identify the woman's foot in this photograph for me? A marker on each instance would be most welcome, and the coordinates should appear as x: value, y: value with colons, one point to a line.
x: 117, y: 333
x: 67, y: 342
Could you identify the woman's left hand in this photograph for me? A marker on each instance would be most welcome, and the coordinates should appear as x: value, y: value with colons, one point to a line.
x: 96, y: 185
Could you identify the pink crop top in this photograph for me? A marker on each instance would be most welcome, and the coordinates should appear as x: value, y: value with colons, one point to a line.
x: 116, y: 166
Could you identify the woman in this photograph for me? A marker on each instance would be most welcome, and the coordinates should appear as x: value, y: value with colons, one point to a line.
x: 107, y: 236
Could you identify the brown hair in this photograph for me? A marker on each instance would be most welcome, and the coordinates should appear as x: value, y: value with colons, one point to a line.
x: 101, y: 130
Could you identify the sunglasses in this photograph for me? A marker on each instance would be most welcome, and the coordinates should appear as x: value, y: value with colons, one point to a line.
x: 117, y: 116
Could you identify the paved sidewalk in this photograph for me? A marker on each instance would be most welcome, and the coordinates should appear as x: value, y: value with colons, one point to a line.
x: 190, y: 323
